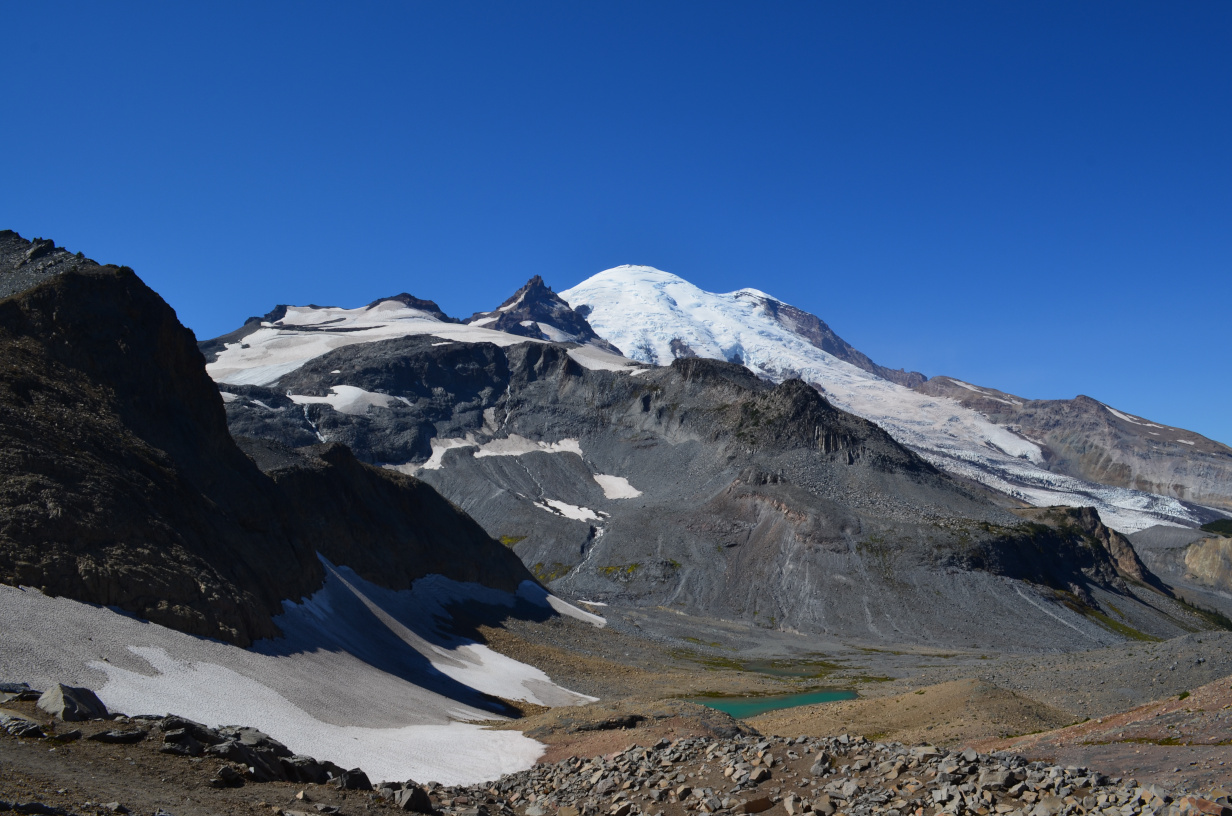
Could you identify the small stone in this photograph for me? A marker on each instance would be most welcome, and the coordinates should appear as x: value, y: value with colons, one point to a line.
x: 119, y: 736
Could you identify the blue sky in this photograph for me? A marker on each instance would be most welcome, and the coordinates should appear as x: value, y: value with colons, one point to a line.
x: 1035, y: 197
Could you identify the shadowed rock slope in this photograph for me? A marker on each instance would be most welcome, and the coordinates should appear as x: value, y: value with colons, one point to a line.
x: 1086, y: 439
x: 121, y: 485
x: 701, y: 488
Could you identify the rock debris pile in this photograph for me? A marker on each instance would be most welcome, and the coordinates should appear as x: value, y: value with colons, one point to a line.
x: 843, y: 775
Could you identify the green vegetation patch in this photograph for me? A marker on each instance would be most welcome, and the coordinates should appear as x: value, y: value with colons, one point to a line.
x: 546, y: 574
x: 1222, y: 527
x: 511, y: 540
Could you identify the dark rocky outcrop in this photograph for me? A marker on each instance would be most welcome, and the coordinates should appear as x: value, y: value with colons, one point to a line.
x: 121, y: 485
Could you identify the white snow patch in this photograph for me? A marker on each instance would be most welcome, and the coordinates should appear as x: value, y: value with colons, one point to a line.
x: 572, y: 511
x: 228, y: 397
x: 616, y: 487
x: 599, y: 360
x: 439, y: 446
x: 554, y: 334
x: 1128, y: 418
x: 348, y: 399
x: 1185, y: 442
x: 515, y: 445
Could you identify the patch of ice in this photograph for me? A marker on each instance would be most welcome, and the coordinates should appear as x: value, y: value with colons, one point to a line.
x: 347, y: 399
x: 616, y: 487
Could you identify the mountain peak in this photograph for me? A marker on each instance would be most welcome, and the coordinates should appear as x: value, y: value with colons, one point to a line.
x: 537, y: 312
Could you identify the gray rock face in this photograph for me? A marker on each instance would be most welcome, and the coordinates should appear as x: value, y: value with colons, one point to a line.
x: 1198, y: 565
x: 702, y: 488
x: 1086, y: 439
x: 72, y: 704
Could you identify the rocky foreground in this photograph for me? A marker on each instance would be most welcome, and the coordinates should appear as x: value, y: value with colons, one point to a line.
x: 234, y: 770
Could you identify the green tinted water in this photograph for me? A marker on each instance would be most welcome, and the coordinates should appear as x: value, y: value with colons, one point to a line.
x: 742, y: 707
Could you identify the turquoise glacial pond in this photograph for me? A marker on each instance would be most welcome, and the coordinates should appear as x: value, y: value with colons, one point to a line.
x: 741, y: 707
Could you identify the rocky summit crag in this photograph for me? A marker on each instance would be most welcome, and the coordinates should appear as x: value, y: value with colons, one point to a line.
x: 121, y: 485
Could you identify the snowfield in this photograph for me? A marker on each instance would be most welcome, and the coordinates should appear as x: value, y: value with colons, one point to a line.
x: 364, y: 676
x: 305, y: 332
x: 644, y: 312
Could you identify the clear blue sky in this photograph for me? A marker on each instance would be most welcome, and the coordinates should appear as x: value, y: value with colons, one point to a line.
x: 1031, y: 196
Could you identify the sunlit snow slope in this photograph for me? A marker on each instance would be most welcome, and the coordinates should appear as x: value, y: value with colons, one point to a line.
x: 655, y: 317
x: 363, y: 676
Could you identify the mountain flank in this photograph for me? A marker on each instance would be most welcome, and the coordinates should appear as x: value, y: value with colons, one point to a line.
x: 1085, y: 438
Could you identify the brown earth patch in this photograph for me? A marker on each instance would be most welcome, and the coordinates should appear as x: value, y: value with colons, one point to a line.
x: 954, y: 713
x: 1180, y: 742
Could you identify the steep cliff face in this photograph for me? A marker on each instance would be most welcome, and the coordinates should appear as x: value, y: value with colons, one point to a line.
x: 120, y: 483
x: 1086, y: 439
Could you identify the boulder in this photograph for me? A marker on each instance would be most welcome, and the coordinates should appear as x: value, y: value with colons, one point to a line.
x: 414, y: 799
x: 757, y: 805
x: 72, y: 704
x: 354, y: 779
x: 179, y: 741
x: 1197, y: 806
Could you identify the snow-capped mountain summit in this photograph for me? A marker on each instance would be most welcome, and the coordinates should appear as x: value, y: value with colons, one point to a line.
x: 684, y: 321
x: 655, y: 317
